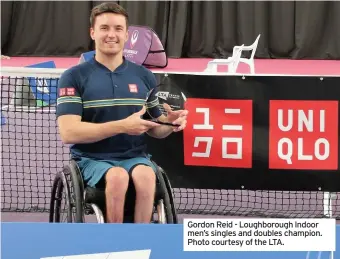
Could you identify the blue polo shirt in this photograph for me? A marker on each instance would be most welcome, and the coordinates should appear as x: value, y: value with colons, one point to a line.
x: 99, y: 95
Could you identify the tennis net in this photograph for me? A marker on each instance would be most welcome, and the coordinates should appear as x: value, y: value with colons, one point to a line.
x: 32, y: 153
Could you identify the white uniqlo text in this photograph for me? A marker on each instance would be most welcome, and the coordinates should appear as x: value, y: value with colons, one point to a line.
x: 302, y: 134
x: 305, y: 122
x: 226, y: 141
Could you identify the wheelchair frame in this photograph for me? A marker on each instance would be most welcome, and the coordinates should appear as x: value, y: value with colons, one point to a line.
x: 82, y: 200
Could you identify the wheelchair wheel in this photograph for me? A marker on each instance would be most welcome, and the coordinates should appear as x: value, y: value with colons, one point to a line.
x: 77, y: 190
x: 164, y: 202
x: 171, y: 197
x: 60, y: 196
x: 68, y: 189
x: 94, y: 203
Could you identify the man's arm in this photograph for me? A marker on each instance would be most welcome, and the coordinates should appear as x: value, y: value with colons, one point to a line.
x: 178, y: 117
x: 162, y: 131
x: 74, y: 131
x: 69, y: 113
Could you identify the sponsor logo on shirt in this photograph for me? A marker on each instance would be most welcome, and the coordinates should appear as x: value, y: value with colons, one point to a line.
x: 133, y: 88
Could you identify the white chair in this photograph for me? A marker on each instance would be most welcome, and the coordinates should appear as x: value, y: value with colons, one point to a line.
x: 5, y: 57
x: 231, y: 62
x: 249, y: 61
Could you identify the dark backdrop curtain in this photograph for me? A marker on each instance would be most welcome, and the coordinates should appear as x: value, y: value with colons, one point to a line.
x: 298, y: 30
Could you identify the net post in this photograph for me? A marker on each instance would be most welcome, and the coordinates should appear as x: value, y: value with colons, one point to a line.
x: 328, y: 211
x: 327, y: 203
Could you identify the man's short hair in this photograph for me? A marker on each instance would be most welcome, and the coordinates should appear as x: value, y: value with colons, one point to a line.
x: 108, y: 8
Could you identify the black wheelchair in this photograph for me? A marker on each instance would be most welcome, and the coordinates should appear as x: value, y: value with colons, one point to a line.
x: 82, y: 200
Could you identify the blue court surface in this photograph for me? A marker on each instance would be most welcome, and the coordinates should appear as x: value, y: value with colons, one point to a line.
x: 41, y: 240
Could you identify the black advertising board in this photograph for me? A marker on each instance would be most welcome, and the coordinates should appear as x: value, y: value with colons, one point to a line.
x: 255, y: 133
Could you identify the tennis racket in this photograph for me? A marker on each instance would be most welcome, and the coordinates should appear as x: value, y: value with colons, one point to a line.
x: 166, y: 92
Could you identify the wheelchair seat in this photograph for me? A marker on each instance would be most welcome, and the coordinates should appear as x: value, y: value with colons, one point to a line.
x: 84, y: 200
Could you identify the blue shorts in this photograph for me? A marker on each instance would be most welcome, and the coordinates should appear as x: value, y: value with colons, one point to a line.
x: 93, y: 171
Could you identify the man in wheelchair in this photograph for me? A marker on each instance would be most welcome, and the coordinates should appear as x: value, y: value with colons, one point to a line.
x: 99, y: 112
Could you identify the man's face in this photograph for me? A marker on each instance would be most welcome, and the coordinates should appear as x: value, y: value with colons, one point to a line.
x: 109, y: 33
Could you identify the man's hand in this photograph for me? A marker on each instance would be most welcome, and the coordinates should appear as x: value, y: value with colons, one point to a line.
x: 176, y: 117
x: 135, y: 125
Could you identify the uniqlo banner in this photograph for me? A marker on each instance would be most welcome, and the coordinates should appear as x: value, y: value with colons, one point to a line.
x: 254, y: 133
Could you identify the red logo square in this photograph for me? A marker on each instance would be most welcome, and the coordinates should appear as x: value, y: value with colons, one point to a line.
x: 218, y: 133
x: 303, y: 135
x: 133, y: 88
x: 70, y: 91
x: 62, y: 91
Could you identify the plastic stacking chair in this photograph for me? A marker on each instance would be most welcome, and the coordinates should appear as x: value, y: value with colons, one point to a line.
x: 231, y: 62
x: 248, y: 61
